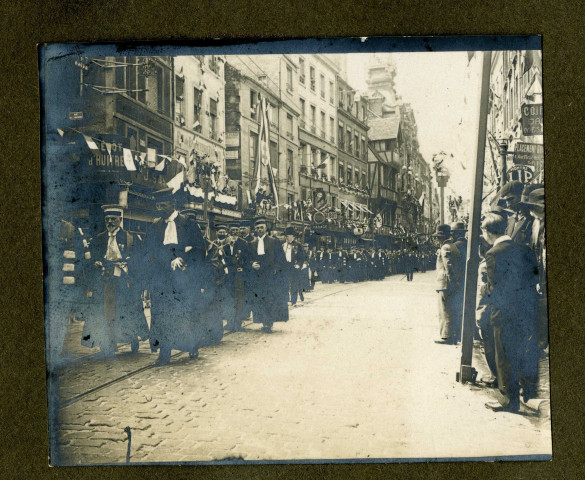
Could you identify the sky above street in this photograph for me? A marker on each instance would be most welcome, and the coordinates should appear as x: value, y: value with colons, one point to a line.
x: 443, y: 90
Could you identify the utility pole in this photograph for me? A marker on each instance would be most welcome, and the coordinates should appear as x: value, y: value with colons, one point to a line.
x: 466, y: 372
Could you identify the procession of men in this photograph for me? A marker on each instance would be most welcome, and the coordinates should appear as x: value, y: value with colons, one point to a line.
x: 198, y: 281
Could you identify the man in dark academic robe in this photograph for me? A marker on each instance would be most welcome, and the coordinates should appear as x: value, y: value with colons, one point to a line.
x: 294, y: 265
x: 113, y: 283
x: 512, y: 276
x: 181, y: 283
x: 265, y: 258
x: 246, y: 238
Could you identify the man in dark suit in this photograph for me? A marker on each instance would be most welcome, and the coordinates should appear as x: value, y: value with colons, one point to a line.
x: 535, y: 202
x: 518, y: 219
x: 295, y: 261
x: 458, y: 235
x: 265, y: 258
x: 448, y: 259
x: 118, y: 316
x: 512, y: 276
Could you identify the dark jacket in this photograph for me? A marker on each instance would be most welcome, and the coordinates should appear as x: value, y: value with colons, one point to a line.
x: 512, y: 275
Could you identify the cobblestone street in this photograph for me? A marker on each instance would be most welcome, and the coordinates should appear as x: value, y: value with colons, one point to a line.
x: 354, y: 374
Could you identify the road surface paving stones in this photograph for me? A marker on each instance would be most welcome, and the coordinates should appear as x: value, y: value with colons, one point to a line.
x: 354, y: 374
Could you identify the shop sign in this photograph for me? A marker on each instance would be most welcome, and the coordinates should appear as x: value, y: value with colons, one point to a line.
x: 318, y: 217
x: 232, y: 139
x: 532, y: 119
x: 332, y: 215
x: 104, y: 160
x: 522, y: 173
x: 232, y: 154
x: 75, y: 115
x: 529, y: 154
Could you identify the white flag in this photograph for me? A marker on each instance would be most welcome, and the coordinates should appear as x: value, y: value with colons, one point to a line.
x: 128, y: 160
x: 161, y: 166
x: 90, y: 143
x: 176, y: 182
x: 151, y: 157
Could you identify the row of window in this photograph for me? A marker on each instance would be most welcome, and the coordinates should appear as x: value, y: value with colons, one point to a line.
x: 351, y: 143
x: 348, y: 103
x: 196, y: 121
x: 312, y: 81
x: 146, y: 81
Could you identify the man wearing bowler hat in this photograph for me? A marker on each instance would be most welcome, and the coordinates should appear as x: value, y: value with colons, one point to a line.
x: 458, y: 231
x: 265, y: 258
x: 515, y: 210
x: 112, y: 284
x: 448, y: 259
x: 510, y: 288
x: 295, y: 261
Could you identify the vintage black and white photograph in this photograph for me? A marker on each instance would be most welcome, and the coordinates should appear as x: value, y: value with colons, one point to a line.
x: 295, y: 251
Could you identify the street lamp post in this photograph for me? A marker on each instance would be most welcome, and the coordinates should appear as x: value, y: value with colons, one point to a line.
x: 442, y: 179
x: 503, y: 151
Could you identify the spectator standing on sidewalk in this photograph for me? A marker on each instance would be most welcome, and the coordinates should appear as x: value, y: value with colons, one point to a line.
x: 535, y: 203
x: 458, y: 235
x: 511, y: 290
x: 448, y: 259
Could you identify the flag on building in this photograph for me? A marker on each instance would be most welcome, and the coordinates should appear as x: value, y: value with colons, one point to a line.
x: 91, y: 144
x: 176, y: 182
x: 128, y: 160
x: 263, y: 154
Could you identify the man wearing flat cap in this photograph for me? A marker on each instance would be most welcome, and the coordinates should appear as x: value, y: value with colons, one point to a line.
x: 112, y: 284
x: 294, y: 265
x: 265, y: 258
x: 448, y: 259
